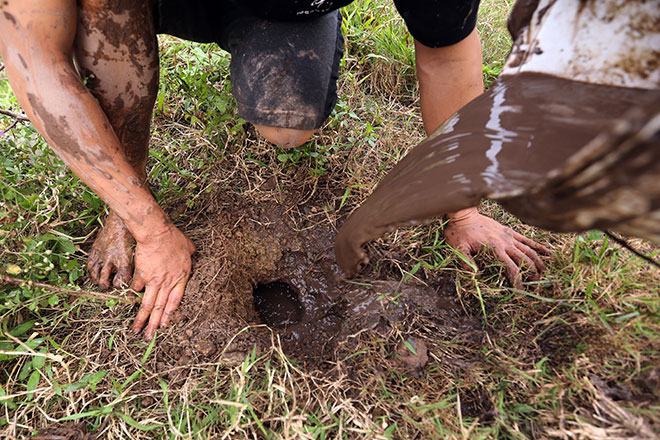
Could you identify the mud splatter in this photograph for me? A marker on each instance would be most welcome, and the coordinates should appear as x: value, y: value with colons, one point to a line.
x: 9, y: 17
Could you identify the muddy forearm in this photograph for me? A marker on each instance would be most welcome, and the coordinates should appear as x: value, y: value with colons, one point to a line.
x: 74, y: 125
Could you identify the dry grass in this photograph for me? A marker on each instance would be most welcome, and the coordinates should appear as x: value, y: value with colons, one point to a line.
x: 575, y: 356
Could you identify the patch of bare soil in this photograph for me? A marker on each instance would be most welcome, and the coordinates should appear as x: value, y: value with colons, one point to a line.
x: 68, y: 431
x: 273, y: 263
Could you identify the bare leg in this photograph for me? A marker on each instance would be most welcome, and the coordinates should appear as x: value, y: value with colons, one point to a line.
x: 117, y: 52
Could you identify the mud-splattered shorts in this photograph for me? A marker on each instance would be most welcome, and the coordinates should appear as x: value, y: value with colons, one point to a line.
x: 283, y: 73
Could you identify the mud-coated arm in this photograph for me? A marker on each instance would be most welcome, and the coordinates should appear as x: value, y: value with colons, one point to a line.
x: 36, y: 43
x: 449, y: 78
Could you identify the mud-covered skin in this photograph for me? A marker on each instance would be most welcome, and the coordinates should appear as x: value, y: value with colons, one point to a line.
x: 117, y: 52
x: 37, y: 45
x: 525, y: 143
x: 518, y: 253
x: 449, y: 78
x: 110, y: 260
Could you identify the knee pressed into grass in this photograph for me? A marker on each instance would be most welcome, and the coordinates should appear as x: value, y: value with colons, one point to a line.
x: 285, y: 137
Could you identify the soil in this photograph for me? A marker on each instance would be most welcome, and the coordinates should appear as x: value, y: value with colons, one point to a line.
x: 311, y: 306
x: 66, y: 431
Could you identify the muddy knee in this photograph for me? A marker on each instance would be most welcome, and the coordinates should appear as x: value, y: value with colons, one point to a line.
x: 285, y: 137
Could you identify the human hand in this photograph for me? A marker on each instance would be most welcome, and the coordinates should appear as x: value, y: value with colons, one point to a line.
x: 350, y: 255
x: 162, y: 268
x: 469, y: 232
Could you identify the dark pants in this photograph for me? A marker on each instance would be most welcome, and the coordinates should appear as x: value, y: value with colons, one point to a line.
x: 283, y: 73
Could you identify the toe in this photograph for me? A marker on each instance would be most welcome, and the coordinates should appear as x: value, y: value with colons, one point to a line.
x: 123, y: 277
x: 104, y: 278
x: 94, y: 269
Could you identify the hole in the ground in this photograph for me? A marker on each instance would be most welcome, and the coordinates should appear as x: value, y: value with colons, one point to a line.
x: 277, y: 304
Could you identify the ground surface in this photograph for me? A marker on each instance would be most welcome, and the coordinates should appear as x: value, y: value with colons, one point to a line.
x: 415, y: 348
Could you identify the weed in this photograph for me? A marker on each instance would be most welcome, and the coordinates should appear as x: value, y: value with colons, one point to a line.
x: 572, y: 355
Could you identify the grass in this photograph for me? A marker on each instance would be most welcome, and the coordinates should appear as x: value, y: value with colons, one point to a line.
x: 575, y: 356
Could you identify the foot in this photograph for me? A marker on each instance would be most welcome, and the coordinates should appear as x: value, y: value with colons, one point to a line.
x: 110, y: 262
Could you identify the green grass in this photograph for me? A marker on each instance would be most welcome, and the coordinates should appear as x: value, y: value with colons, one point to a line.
x: 553, y: 357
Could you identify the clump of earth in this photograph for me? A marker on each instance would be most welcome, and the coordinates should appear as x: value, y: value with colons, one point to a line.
x: 270, y: 267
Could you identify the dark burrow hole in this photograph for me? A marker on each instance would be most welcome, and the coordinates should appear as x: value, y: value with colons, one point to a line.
x: 277, y: 304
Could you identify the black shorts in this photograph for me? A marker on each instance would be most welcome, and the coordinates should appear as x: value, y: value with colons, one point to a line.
x: 434, y: 23
x: 283, y: 73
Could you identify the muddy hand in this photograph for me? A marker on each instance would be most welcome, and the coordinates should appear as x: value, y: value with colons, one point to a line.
x: 348, y: 252
x: 162, y: 268
x: 469, y: 232
x: 110, y: 261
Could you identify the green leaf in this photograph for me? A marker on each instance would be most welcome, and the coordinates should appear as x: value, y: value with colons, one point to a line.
x: 97, y: 377
x: 149, y: 348
x: 75, y: 386
x: 80, y: 415
x: 137, y: 425
x: 38, y: 362
x: 132, y: 377
x: 66, y: 246
x: 594, y: 235
x: 32, y: 382
x: 74, y: 274
x: 25, y: 370
x: 53, y: 300
x: 410, y: 347
x: 22, y: 329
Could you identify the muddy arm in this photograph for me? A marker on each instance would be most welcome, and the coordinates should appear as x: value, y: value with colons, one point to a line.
x: 449, y: 78
x: 36, y: 40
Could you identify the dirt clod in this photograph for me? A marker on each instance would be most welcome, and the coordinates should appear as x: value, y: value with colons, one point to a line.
x: 206, y: 348
x: 412, y: 355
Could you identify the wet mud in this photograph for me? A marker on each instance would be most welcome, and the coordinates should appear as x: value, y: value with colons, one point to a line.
x: 272, y: 268
x: 563, y: 155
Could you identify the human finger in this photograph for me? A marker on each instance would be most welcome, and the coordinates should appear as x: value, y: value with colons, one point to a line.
x: 531, y: 254
x: 538, y: 247
x: 511, y: 269
x: 173, y: 301
x: 93, y: 267
x: 157, y: 312
x: 467, y: 262
x: 122, y: 278
x: 524, y: 262
x: 138, y: 282
x: 147, y: 305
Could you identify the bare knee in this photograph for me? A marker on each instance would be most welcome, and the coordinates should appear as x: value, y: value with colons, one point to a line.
x: 285, y: 137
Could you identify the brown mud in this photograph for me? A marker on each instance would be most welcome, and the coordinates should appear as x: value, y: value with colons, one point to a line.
x: 273, y: 265
x: 563, y: 155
